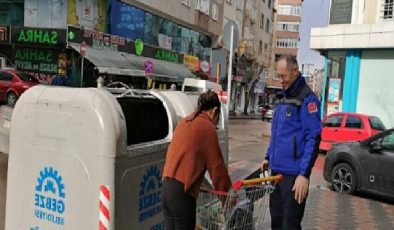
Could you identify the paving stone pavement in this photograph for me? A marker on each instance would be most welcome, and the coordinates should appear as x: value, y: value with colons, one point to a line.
x: 325, y: 209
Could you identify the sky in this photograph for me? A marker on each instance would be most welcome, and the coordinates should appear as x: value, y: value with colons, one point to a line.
x: 314, y: 14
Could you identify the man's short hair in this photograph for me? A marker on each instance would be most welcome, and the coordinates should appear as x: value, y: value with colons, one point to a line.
x: 291, y: 60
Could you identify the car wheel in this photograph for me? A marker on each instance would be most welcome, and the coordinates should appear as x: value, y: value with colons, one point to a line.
x: 11, y: 99
x: 343, y: 179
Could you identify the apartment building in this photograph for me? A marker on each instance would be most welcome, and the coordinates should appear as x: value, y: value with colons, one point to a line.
x: 286, y: 38
x: 359, y: 54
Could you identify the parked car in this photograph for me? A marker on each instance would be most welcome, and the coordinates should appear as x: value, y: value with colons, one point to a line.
x: 13, y: 83
x: 342, y: 127
x: 266, y: 112
x: 363, y: 165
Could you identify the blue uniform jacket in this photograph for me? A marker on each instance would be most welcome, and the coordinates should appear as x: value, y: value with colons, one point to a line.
x: 295, y: 132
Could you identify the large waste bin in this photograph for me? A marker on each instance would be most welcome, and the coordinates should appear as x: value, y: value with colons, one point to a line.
x: 86, y: 159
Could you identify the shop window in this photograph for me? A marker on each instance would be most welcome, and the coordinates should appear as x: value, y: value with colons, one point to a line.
x: 146, y: 119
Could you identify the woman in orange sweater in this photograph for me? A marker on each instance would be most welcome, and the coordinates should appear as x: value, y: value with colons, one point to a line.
x: 194, y: 149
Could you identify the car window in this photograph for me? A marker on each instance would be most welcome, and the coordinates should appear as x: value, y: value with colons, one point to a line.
x: 333, y: 121
x: 376, y: 123
x: 388, y: 142
x: 27, y: 77
x: 193, y: 89
x: 353, y: 122
x: 5, y: 76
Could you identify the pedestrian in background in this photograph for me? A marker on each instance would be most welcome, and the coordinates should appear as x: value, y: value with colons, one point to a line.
x: 194, y: 150
x: 293, y: 148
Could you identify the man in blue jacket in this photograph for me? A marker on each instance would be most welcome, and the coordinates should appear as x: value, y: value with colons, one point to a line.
x: 295, y: 138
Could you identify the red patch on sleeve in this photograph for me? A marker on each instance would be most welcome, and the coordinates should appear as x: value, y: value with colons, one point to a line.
x: 312, y: 107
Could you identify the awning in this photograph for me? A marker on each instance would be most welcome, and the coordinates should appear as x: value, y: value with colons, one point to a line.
x: 119, y: 63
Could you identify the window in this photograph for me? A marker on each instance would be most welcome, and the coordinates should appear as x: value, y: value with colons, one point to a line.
x: 260, y: 47
x: 387, y: 9
x: 262, y: 22
x: 186, y: 2
x: 333, y: 121
x: 269, y: 4
x: 288, y: 26
x: 277, y: 56
x: 287, y: 43
x: 267, y: 26
x: 294, y: 10
x: 275, y: 76
x: 215, y: 11
x: 240, y: 4
x: 5, y: 76
x: 376, y: 123
x: 203, y: 6
x: 266, y: 49
x: 353, y: 122
x: 388, y: 142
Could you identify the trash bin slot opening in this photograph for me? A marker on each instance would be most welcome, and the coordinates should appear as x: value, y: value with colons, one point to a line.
x: 146, y: 119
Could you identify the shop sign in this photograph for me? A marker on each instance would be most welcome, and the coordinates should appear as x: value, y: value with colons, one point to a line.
x: 38, y: 36
x: 333, y: 89
x: 191, y: 62
x: 205, y: 67
x: 99, y: 40
x: 167, y: 55
x: 36, y: 60
x: 4, y: 34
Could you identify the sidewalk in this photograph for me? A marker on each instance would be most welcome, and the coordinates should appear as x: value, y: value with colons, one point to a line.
x: 241, y: 116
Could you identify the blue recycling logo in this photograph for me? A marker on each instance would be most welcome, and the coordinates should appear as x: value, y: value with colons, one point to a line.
x: 50, y: 196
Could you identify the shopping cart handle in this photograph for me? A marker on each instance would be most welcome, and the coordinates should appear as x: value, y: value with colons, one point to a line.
x: 239, y: 183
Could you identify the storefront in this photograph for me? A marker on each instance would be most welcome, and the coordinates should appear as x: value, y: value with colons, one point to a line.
x: 39, y: 51
x: 132, y: 62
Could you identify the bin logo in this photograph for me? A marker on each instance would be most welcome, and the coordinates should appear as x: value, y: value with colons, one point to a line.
x: 150, y: 194
x: 50, y: 197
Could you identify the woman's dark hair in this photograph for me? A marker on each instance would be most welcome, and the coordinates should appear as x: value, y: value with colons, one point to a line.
x: 207, y: 101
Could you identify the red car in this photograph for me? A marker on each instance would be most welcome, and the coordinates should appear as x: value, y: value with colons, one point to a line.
x: 13, y: 84
x: 343, y: 127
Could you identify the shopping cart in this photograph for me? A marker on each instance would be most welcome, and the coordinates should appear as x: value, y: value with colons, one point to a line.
x: 242, y: 208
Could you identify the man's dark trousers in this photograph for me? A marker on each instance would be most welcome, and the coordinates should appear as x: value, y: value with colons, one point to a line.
x: 285, y: 211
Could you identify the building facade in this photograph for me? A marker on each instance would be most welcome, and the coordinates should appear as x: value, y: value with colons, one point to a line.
x: 253, y: 57
x: 182, y: 30
x: 286, y: 39
x: 359, y: 55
